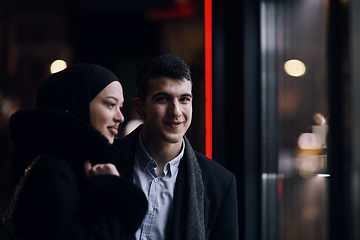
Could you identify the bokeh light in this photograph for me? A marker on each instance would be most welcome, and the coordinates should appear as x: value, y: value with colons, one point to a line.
x: 310, y: 141
x: 323, y: 175
x: 131, y: 125
x: 308, y: 166
x: 295, y: 68
x: 319, y: 119
x: 57, y: 66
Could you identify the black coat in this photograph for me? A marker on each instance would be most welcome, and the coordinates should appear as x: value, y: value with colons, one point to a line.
x: 56, y: 201
x: 220, y: 203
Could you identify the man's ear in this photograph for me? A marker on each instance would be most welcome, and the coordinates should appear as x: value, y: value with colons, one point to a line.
x: 139, y: 106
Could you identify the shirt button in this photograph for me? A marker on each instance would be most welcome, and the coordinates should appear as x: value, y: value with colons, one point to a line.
x: 155, y: 180
x: 150, y: 209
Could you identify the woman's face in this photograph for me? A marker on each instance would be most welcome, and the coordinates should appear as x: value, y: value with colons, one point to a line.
x: 105, y: 112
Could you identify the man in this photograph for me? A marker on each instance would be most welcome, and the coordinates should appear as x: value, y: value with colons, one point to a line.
x: 189, y: 196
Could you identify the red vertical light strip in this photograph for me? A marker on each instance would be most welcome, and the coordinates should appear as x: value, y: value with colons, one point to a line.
x: 208, y: 77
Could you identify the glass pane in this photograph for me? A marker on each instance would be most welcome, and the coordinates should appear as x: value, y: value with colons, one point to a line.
x: 295, y: 110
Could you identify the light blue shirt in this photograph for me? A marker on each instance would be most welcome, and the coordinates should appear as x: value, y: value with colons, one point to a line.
x: 159, y: 191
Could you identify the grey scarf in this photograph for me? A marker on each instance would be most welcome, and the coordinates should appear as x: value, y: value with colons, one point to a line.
x: 195, y: 220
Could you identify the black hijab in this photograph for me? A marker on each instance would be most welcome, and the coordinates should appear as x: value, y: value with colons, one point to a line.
x: 73, y: 88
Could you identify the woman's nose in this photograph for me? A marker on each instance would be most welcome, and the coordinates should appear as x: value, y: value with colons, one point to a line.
x: 119, y: 117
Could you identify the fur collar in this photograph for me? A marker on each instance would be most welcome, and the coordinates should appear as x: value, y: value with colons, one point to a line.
x: 54, y: 132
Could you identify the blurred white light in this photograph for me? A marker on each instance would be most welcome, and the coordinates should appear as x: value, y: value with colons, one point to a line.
x: 310, y: 141
x: 322, y: 130
x: 308, y: 166
x: 295, y: 68
x: 323, y: 175
x: 57, y: 66
x: 269, y: 176
x: 311, y: 164
x: 131, y: 125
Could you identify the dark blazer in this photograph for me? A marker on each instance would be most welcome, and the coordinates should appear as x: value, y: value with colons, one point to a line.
x: 220, y: 198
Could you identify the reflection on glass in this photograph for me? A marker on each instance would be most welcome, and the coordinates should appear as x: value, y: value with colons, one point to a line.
x: 295, y: 68
x: 296, y: 29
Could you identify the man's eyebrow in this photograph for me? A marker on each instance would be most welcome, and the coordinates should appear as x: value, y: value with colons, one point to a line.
x: 187, y: 95
x: 168, y: 94
x: 161, y: 94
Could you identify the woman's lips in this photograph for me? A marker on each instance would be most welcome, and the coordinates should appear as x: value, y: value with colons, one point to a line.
x: 113, y: 129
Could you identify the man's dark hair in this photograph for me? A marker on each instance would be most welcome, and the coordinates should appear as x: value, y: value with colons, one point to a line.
x: 167, y: 65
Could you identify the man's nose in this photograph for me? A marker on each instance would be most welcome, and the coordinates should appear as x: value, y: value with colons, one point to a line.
x: 175, y: 109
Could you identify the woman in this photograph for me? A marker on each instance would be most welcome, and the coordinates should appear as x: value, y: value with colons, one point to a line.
x: 74, y: 190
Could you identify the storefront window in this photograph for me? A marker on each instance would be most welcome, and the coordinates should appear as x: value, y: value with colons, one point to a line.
x: 294, y: 119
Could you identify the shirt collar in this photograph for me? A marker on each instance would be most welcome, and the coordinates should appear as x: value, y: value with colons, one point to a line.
x: 145, y: 161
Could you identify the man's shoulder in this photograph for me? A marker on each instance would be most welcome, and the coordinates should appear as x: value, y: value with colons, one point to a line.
x: 218, y: 181
x: 211, y: 167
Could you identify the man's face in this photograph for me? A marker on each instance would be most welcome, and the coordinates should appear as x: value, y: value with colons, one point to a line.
x: 167, y: 110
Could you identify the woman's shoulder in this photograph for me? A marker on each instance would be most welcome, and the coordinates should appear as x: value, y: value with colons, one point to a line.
x: 49, y: 162
x: 51, y: 167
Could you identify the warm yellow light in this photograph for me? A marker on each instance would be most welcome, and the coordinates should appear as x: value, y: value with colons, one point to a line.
x: 131, y: 125
x: 57, y: 66
x: 319, y: 119
x: 295, y: 68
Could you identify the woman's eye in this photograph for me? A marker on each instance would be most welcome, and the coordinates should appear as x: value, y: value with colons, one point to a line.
x: 110, y: 105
